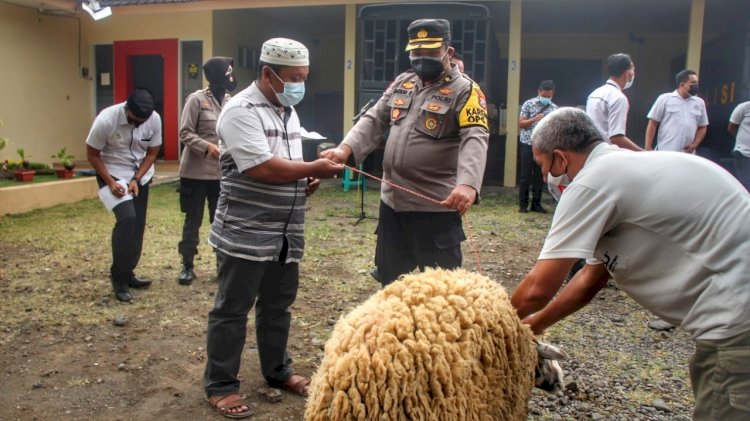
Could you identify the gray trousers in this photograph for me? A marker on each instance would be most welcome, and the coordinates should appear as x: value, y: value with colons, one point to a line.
x: 742, y: 167
x: 272, y: 288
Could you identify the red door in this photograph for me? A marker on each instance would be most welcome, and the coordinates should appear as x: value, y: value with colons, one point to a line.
x: 138, y: 63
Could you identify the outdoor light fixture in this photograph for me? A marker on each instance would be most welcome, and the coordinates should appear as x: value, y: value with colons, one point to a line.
x: 95, y: 9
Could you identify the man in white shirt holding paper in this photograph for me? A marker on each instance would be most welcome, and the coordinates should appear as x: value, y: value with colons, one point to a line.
x: 122, y: 146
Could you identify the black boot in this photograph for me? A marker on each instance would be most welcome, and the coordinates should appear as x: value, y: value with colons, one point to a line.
x: 187, y: 275
x: 122, y: 292
x: 136, y: 282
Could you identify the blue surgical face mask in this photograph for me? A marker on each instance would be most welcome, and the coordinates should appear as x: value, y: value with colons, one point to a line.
x: 544, y: 100
x: 293, y: 92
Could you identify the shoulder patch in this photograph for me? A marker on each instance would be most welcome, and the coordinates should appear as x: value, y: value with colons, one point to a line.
x: 474, y: 112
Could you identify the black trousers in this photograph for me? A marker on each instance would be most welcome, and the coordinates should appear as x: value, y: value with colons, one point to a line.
x: 127, y: 236
x: 193, y: 196
x: 407, y: 240
x: 272, y: 288
x: 530, y: 175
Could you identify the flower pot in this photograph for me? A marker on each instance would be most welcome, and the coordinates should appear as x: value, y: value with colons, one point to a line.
x: 65, y: 173
x: 24, y: 175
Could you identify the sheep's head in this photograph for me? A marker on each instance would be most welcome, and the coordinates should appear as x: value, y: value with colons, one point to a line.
x: 548, y: 375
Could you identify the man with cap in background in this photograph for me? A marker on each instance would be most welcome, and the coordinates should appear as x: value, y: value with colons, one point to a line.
x: 437, y: 146
x: 199, y: 164
x: 122, y: 147
x: 258, y: 230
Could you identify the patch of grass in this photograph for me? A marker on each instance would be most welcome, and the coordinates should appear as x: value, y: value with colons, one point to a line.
x: 4, y: 182
x: 79, y: 381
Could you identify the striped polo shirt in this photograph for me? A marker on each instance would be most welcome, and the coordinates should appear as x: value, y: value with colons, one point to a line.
x: 253, y: 217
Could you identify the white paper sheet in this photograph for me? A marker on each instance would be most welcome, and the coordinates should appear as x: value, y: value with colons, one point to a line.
x: 110, y: 200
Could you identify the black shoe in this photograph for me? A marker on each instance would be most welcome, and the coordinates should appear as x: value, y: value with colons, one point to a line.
x: 522, y: 209
x: 186, y: 276
x: 123, y: 296
x: 375, y: 274
x: 538, y: 208
x: 136, y: 282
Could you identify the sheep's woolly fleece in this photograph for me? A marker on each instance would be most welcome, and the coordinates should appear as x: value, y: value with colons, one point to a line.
x: 442, y: 345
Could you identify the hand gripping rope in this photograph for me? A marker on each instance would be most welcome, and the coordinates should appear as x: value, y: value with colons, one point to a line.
x: 437, y: 202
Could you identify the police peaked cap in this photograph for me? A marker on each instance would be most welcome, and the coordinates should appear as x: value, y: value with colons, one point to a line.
x: 428, y: 33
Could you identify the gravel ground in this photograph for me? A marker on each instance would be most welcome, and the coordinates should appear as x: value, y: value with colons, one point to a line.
x: 620, y: 369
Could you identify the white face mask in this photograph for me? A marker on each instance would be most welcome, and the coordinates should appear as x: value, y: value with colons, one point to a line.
x: 557, y: 185
x: 629, y: 83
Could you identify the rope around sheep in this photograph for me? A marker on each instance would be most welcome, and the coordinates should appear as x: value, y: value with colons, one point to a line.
x: 429, y: 199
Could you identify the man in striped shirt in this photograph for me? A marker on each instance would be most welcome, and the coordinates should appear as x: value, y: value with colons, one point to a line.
x: 258, y: 229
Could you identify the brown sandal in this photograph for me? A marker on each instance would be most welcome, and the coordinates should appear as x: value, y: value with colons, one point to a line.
x: 225, y: 403
x: 296, y: 384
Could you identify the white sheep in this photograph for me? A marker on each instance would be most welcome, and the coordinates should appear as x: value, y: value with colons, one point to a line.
x: 440, y: 344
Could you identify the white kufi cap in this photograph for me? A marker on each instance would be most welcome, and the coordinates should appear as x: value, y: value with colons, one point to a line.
x: 284, y: 52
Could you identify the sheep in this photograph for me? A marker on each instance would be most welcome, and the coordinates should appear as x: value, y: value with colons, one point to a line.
x: 440, y: 344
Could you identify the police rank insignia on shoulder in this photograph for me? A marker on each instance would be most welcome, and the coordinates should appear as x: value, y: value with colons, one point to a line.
x: 430, y: 124
x: 398, y: 101
x: 395, y: 113
x: 474, y: 112
x: 407, y: 85
x: 433, y: 106
x: 446, y: 91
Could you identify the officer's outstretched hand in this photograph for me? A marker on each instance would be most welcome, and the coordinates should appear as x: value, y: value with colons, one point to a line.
x: 325, y: 168
x: 338, y: 155
x: 461, y: 198
x: 312, y: 185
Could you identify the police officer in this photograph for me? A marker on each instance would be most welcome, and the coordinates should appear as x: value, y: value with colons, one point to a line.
x: 437, y: 146
x: 200, y: 172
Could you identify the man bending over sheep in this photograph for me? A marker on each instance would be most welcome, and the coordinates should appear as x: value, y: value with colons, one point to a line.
x: 674, y: 237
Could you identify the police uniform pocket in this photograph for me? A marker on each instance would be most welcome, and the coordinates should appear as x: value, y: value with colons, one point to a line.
x: 399, y: 107
x: 432, y: 119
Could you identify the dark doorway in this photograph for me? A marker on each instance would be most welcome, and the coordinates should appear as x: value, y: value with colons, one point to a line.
x: 151, y: 63
x: 148, y: 72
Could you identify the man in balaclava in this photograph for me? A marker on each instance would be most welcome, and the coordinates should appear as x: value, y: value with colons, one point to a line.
x: 200, y: 172
x: 122, y: 147
x: 437, y: 146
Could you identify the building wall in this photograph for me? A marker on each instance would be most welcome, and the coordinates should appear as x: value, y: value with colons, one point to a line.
x: 44, y: 102
x: 47, y: 104
x: 652, y: 57
x: 249, y: 28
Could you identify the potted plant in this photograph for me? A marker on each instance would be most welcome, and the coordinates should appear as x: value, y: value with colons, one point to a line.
x: 66, y: 160
x: 24, y: 173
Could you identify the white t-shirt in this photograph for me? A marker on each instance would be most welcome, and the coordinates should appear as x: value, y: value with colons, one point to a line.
x: 675, y: 235
x: 123, y: 146
x: 252, y: 130
x: 741, y: 117
x: 608, y: 108
x: 679, y: 119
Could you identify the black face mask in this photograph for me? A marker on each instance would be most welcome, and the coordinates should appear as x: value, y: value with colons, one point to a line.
x: 427, y: 68
x: 693, y: 90
x: 219, y: 72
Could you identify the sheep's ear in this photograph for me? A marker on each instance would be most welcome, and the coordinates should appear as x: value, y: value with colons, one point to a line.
x: 550, y: 352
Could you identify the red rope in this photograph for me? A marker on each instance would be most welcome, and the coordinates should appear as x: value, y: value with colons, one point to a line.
x: 429, y: 199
